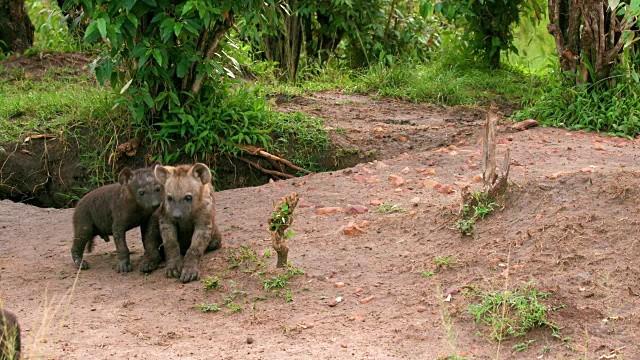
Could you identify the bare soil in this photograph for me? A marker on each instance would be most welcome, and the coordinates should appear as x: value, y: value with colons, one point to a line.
x: 569, y: 222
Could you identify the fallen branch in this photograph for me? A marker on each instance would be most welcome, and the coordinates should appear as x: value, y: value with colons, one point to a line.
x: 266, y: 171
x: 260, y: 152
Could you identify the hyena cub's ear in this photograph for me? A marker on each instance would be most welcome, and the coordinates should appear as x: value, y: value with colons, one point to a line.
x: 155, y: 165
x: 201, y: 172
x: 162, y: 173
x: 125, y: 175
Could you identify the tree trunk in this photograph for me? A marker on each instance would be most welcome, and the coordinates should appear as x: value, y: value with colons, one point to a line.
x: 284, y: 47
x: 16, y: 29
x: 587, y: 35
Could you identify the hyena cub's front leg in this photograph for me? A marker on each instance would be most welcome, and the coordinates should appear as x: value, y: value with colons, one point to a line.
x: 199, y: 243
x: 169, y: 233
x: 124, y: 261
x: 151, y: 240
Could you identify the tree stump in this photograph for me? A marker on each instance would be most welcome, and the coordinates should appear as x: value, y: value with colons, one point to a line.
x: 16, y: 29
x: 279, y: 222
x: 494, y: 184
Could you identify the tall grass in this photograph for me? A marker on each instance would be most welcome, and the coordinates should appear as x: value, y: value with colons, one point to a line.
x: 610, y: 106
x: 446, y: 80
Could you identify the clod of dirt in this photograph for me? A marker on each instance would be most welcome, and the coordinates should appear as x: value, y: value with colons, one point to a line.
x: 356, y: 209
x: 348, y: 171
x: 427, y: 171
x: 339, y: 284
x: 445, y: 189
x: 421, y: 309
x: 430, y: 184
x: 375, y: 202
x: 523, y: 125
x: 329, y: 210
x: 367, y: 299
x: 405, y: 170
x: 495, y: 261
x: 451, y: 291
x: 380, y: 165
x: 352, y: 230
x: 415, y: 201
x: 396, y: 180
x: 249, y: 340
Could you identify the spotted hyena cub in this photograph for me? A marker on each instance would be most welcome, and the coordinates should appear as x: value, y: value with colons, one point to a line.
x: 9, y: 336
x: 187, y: 218
x: 112, y: 210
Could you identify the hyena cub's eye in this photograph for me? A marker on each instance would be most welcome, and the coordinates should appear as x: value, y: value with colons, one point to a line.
x: 188, y: 198
x: 140, y: 192
x: 158, y: 188
x: 170, y: 198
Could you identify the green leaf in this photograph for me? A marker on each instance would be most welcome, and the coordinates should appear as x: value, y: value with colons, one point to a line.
x: 133, y: 19
x: 177, y: 28
x: 156, y: 55
x: 182, y: 68
x: 147, y: 98
x: 143, y: 59
x: 128, y: 5
x: 102, y: 27
x: 91, y: 31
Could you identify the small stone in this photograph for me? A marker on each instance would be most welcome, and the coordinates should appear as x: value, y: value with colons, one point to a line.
x: 347, y: 171
x: 421, y: 309
x: 249, y: 340
x: 329, y: 210
x: 367, y: 299
x: 339, y: 284
x: 523, y: 125
x: 405, y: 170
x: 415, y: 201
x: 401, y: 138
x: 375, y: 202
x: 430, y: 183
x: 356, y: 209
x: 380, y: 165
x: 396, y: 180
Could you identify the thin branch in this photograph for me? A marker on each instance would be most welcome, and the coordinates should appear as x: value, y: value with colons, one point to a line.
x: 266, y: 171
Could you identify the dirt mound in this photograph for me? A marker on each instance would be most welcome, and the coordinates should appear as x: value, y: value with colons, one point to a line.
x: 574, y: 235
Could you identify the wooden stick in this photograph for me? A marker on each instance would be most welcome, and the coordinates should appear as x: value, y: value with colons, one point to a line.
x: 489, y: 149
x: 266, y: 171
x: 260, y: 152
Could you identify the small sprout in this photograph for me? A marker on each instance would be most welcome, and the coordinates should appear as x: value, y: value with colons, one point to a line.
x: 427, y: 274
x: 208, y: 307
x: 211, y: 282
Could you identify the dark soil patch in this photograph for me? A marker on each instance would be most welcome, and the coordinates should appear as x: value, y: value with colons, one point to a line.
x: 36, y: 65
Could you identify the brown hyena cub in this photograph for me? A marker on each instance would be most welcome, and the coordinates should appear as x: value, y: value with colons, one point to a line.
x: 9, y: 336
x: 187, y: 218
x: 112, y: 210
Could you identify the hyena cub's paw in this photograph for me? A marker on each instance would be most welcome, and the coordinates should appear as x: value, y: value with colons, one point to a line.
x: 190, y: 273
x: 174, y: 269
x: 148, y: 265
x: 81, y: 264
x: 124, y: 266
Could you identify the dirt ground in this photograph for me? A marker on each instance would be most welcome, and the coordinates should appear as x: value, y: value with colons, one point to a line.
x: 569, y: 223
